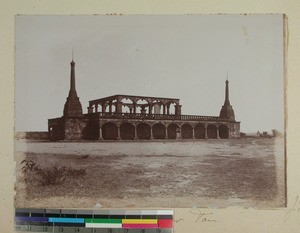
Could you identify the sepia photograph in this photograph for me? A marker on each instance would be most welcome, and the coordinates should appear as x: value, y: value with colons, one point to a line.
x: 137, y: 111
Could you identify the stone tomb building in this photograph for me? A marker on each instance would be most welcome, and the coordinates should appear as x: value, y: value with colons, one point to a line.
x: 127, y: 117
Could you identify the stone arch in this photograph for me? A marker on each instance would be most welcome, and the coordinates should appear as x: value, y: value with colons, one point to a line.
x: 98, y: 107
x: 159, y: 131
x: 186, y: 131
x: 107, y: 107
x: 126, y: 102
x: 101, y: 107
x: 223, y: 131
x: 91, y: 130
x: 199, y: 131
x: 109, y: 131
x: 171, y: 106
x: 172, y: 130
x: 212, y: 131
x: 127, y: 131
x: 142, y: 102
x: 143, y: 131
x: 157, y: 108
x: 126, y: 109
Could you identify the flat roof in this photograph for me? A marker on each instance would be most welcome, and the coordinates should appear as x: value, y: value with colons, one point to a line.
x: 133, y: 96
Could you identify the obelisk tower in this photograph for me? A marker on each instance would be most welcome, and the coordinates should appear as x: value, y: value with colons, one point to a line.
x: 73, y: 106
x: 227, y: 110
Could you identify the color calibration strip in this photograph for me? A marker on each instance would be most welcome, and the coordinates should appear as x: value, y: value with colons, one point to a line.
x: 94, y: 221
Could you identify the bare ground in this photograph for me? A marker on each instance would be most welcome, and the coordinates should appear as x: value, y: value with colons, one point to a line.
x: 219, y: 173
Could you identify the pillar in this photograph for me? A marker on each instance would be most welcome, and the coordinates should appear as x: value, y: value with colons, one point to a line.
x: 103, y: 108
x: 177, y: 110
x: 166, y: 137
x: 164, y: 109
x: 96, y: 107
x: 110, y: 107
x: 100, y: 133
x: 193, y: 131
x: 150, y: 108
x: 205, y: 130
x: 119, y: 133
x: 135, y: 133
x: 218, y: 135
x: 134, y: 108
x: 178, y: 133
x: 168, y: 109
x: 119, y: 107
x: 151, y: 132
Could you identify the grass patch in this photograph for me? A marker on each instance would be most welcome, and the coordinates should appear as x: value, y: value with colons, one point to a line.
x: 53, y: 175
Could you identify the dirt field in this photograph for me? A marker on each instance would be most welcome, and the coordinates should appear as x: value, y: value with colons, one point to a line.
x: 206, y: 173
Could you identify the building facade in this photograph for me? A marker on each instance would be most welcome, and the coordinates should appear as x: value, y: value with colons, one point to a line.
x: 128, y: 117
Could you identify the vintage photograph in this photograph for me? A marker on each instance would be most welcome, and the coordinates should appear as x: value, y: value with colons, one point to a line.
x: 136, y: 111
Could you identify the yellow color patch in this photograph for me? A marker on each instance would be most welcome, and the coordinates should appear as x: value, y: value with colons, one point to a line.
x: 139, y: 221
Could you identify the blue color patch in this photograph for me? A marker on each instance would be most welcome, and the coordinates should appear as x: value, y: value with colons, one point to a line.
x: 67, y: 220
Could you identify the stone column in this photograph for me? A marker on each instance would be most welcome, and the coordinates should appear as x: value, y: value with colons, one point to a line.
x: 177, y: 110
x: 205, y: 131
x: 218, y: 135
x: 150, y: 108
x: 193, y: 130
x: 164, y: 109
x: 110, y: 107
x: 100, y: 133
x: 178, y: 133
x: 119, y: 107
x: 96, y: 107
x: 166, y: 137
x: 151, y: 132
x: 168, y: 109
x: 119, y: 133
x: 135, y: 133
x: 134, y: 108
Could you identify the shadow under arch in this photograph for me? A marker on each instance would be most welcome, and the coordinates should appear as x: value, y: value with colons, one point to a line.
x: 110, y: 131
x: 143, y: 131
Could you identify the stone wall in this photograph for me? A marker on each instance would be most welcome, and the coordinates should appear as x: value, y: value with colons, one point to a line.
x: 235, y: 130
x: 40, y: 135
x: 74, y: 128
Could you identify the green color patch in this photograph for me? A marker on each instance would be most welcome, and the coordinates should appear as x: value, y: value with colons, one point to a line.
x: 102, y: 220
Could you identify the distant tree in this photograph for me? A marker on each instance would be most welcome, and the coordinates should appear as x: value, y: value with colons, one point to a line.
x: 276, y: 133
x: 265, y: 134
x: 242, y: 135
x: 258, y: 134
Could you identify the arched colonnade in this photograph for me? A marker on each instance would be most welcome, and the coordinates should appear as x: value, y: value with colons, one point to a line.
x: 142, y: 130
x: 135, y: 105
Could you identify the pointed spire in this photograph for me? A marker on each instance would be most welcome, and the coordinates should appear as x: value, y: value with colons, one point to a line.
x: 72, y: 92
x: 72, y: 106
x: 227, y: 111
x: 227, y: 93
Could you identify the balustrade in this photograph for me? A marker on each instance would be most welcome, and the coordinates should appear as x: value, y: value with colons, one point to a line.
x: 113, y: 115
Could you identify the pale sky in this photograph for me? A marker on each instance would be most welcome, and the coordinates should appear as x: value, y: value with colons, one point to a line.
x: 186, y: 57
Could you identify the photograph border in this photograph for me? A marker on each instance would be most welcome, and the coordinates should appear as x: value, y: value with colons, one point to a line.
x: 250, y: 220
